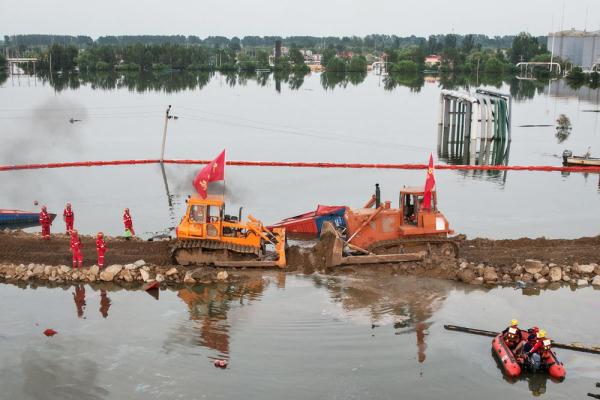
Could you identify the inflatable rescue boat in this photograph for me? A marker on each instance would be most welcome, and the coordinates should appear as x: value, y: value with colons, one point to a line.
x: 513, y: 366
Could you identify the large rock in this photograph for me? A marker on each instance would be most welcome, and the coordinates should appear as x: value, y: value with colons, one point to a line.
x: 527, y: 277
x: 596, y: 280
x: 478, y: 280
x: 586, y: 268
x: 555, y: 274
x: 131, y: 266
x: 467, y: 275
x: 126, y: 275
x: 597, y: 270
x: 38, y: 270
x: 222, y: 275
x: 64, y: 269
x: 159, y: 278
x: 542, y: 281
x: 582, y: 282
x: 139, y: 263
x: 172, y: 271
x: 533, y: 266
x: 145, y: 275
x: 188, y: 278
x: 94, y: 270
x: 490, y: 275
x: 517, y: 270
x: 566, y: 278
x: 109, y: 273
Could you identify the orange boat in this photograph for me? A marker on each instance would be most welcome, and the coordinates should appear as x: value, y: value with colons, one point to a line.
x: 513, y: 366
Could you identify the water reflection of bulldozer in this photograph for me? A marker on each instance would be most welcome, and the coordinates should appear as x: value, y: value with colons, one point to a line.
x: 207, y: 236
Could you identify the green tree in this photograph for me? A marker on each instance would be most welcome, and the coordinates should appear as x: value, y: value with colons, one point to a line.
x: 296, y: 56
x: 524, y: 48
x: 327, y: 56
x: 336, y: 64
x: 357, y: 64
x: 405, y: 67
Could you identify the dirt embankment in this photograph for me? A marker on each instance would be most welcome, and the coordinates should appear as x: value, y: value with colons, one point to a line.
x: 482, y: 260
x: 506, y: 253
x: 25, y: 248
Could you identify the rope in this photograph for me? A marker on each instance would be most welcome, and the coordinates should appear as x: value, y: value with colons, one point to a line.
x: 545, y: 168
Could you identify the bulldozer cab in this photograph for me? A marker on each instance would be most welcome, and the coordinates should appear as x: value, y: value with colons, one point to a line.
x: 411, y: 204
x: 205, y: 218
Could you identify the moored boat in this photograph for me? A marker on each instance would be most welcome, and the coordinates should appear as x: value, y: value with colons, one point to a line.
x: 580, y: 161
x: 17, y: 219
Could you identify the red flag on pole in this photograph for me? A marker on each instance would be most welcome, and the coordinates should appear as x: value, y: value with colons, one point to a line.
x: 429, y: 185
x: 212, y: 172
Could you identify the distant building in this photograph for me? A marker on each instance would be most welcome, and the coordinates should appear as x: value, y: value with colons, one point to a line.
x: 345, y: 54
x: 578, y: 47
x: 433, y: 60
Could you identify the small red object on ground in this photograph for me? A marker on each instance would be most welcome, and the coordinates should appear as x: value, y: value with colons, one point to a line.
x: 221, y: 363
x: 50, y: 332
x: 151, y: 285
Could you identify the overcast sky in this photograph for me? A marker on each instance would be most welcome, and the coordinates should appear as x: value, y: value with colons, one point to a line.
x: 287, y: 17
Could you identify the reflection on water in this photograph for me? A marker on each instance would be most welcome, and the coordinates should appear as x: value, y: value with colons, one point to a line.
x: 407, y: 307
x: 208, y: 306
x: 377, y: 334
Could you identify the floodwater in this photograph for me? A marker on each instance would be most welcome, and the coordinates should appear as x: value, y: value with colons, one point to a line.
x: 267, y: 119
x: 284, y: 336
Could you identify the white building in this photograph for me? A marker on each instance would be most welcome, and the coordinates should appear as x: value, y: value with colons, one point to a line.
x: 578, y: 47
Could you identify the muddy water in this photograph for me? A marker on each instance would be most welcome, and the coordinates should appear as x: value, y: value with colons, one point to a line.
x: 284, y: 336
x: 352, y: 123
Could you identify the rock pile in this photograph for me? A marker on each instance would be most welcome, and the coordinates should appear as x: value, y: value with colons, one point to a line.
x: 138, y: 271
x: 532, y: 272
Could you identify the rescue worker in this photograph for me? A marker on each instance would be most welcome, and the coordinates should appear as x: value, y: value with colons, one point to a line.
x: 68, y: 217
x: 534, y: 349
x: 76, y: 250
x: 531, y: 331
x: 512, y: 335
x: 545, y: 347
x: 45, y: 222
x: 128, y: 223
x: 101, y: 248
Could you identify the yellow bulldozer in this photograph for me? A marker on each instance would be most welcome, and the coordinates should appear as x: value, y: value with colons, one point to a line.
x: 207, y: 236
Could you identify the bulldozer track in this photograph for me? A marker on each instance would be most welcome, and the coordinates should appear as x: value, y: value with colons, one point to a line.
x: 428, y: 242
x: 213, y: 245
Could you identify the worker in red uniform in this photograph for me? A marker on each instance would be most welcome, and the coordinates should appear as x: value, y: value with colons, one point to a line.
x: 512, y: 335
x: 128, y: 223
x: 76, y: 250
x: 45, y: 222
x: 101, y: 248
x: 68, y: 217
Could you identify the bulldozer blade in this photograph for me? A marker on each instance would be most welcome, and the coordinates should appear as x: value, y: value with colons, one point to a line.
x: 383, y: 258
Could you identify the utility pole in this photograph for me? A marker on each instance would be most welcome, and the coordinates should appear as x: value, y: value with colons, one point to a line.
x: 167, y: 118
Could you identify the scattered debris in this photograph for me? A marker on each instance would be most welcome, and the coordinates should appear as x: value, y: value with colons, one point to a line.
x: 221, y: 363
x: 50, y: 332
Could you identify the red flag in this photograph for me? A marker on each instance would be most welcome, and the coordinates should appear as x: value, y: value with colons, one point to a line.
x: 213, y: 171
x: 429, y: 185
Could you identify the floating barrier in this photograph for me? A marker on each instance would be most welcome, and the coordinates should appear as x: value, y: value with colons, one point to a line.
x: 544, y: 168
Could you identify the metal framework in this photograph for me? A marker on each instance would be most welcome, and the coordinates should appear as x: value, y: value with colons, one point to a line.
x: 475, y: 129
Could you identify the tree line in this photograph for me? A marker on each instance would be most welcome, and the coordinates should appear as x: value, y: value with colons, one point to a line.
x: 368, y: 42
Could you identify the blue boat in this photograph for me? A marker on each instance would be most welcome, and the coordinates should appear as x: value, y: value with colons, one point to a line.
x: 17, y: 219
